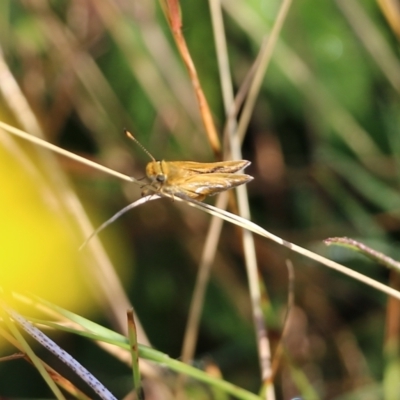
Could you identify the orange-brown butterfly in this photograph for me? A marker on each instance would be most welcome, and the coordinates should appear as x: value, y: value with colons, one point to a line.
x: 193, y: 180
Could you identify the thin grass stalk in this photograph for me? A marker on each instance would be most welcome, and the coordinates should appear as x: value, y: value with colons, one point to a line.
x: 103, y: 271
x: 367, y: 251
x: 212, y: 236
x: 210, y: 246
x: 174, y: 19
x: 246, y: 224
x: 162, y: 52
x: 42, y: 143
x: 297, y: 71
x: 262, y: 68
x: 300, y: 379
x: 35, y: 333
x: 279, y: 351
x: 373, y: 41
x: 202, y: 279
x: 133, y: 346
x: 82, y: 64
x: 158, y: 93
x: 7, y: 315
x: 244, y: 210
x: 54, y: 375
x: 391, y: 10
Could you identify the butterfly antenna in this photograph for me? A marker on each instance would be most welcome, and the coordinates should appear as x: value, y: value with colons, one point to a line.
x: 130, y: 136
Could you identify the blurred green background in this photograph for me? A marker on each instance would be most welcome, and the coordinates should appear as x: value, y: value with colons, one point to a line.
x: 324, y: 145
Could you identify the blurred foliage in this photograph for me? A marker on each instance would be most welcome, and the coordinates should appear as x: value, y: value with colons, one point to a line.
x: 324, y: 145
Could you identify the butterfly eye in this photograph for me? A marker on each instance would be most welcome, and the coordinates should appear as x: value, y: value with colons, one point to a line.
x: 160, y: 178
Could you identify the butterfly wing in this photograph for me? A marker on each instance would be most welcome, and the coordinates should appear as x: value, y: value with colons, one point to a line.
x: 199, y: 186
x: 191, y: 168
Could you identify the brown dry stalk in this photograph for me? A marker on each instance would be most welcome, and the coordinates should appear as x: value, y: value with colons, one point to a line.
x: 175, y: 21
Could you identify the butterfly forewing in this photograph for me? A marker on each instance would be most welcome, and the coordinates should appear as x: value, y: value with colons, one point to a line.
x: 208, y: 168
x: 200, y: 186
